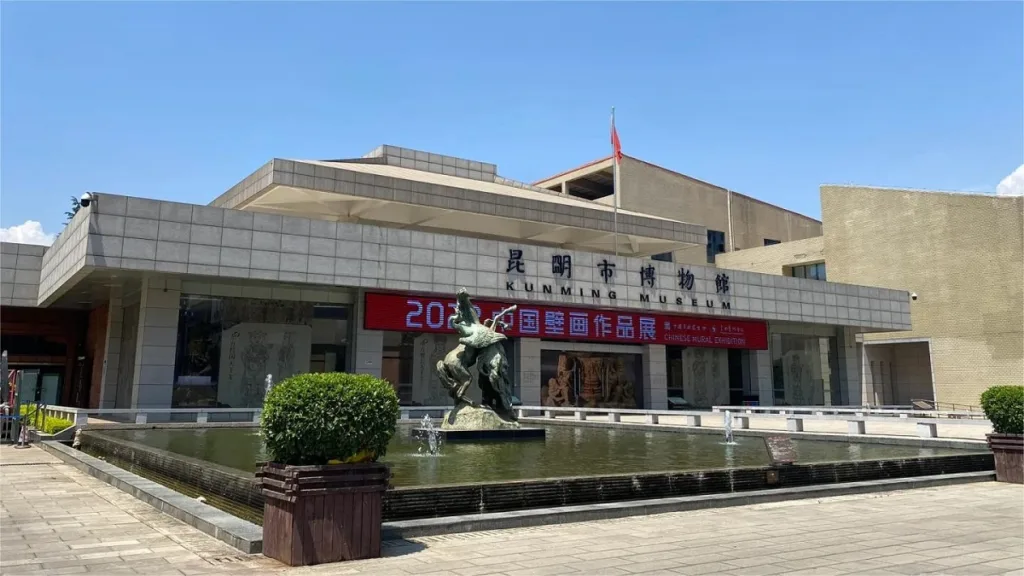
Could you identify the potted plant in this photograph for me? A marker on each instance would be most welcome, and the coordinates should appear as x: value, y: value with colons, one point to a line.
x: 323, y: 486
x: 1004, y: 408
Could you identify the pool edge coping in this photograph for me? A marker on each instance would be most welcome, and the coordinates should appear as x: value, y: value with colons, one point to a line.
x: 631, y: 508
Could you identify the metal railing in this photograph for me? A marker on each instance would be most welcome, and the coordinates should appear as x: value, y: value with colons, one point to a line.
x: 741, y: 416
x: 845, y: 410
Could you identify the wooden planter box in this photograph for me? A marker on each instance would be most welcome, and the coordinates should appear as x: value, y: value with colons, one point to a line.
x: 320, y: 514
x: 1008, y: 450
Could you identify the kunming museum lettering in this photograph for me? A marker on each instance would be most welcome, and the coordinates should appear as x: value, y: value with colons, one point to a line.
x: 561, y: 268
x: 414, y: 313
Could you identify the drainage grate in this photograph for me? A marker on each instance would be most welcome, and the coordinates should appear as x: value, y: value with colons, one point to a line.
x: 227, y: 559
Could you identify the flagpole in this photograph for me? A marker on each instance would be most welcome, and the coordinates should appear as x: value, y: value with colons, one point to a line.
x: 615, y: 188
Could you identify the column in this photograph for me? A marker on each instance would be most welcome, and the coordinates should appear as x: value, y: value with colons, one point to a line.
x: 368, y: 347
x: 761, y: 373
x: 528, y: 368
x: 655, y: 369
x: 112, y: 349
x: 156, y: 344
x: 849, y: 366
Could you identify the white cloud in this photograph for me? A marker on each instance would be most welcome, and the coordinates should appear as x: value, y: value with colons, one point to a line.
x: 1012, y: 185
x: 31, y: 232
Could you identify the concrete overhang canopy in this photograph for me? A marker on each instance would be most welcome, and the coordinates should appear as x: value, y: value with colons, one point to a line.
x: 401, y: 197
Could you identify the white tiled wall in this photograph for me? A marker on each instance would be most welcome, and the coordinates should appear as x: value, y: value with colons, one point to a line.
x: 142, y: 234
x: 528, y: 368
x: 655, y: 374
x: 20, y: 266
x: 156, y: 344
x: 64, y: 260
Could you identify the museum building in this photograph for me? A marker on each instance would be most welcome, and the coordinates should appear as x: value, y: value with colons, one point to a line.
x: 353, y: 265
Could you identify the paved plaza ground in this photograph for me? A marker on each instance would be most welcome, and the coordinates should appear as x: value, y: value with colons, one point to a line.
x: 57, y: 520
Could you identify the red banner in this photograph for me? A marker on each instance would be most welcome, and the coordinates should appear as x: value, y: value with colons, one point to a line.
x: 409, y: 313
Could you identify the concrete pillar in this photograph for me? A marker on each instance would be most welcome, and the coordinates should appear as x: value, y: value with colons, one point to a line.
x: 849, y: 366
x: 655, y: 369
x: 368, y: 349
x: 112, y: 350
x: 156, y: 343
x: 528, y: 369
x: 761, y: 372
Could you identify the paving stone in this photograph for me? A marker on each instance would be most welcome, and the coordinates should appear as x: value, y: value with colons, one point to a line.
x: 964, y: 529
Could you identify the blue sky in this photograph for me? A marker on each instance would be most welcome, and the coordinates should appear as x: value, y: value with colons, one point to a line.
x: 182, y: 100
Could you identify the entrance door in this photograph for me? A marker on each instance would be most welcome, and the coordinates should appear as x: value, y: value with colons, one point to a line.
x: 40, y: 385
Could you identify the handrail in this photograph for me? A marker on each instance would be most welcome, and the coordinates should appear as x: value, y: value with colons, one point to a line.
x: 847, y: 410
x: 739, y: 413
x: 80, y: 416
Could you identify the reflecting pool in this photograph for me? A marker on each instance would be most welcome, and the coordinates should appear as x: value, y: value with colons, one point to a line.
x: 567, y: 451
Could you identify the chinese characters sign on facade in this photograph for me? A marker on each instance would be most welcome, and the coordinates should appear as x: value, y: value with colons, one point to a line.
x: 408, y: 313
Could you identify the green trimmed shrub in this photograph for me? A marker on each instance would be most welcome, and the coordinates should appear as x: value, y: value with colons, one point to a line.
x: 49, y: 425
x: 1004, y: 407
x: 328, y: 418
x: 54, y: 425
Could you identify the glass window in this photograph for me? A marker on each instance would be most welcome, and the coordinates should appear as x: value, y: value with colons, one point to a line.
x: 663, y: 257
x: 770, y: 242
x: 805, y: 370
x: 410, y: 363
x: 704, y: 377
x: 716, y: 244
x: 812, y: 271
x: 228, y: 346
x: 591, y: 379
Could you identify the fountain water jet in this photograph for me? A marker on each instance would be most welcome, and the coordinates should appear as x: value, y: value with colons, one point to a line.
x: 728, y: 428
x: 431, y: 436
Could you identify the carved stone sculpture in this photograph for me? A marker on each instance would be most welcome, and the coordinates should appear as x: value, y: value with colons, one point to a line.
x: 480, y: 345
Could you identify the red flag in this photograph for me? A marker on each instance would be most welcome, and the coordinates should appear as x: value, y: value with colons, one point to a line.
x: 616, y: 145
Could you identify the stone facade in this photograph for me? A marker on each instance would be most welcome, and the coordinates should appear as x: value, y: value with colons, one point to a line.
x: 961, y: 254
x: 775, y: 259
x: 651, y: 189
x: 138, y: 257
x: 256, y: 246
x: 20, y: 265
x: 968, y: 318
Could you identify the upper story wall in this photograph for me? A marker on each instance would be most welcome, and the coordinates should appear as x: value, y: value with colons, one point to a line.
x: 962, y: 254
x: 651, y: 189
x: 774, y: 259
x: 149, y: 236
x: 20, y: 265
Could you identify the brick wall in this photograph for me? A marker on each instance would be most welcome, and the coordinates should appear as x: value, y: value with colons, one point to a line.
x: 961, y: 254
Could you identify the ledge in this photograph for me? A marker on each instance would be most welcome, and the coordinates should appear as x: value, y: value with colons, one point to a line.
x: 605, y: 511
x: 914, y: 441
x: 240, y: 534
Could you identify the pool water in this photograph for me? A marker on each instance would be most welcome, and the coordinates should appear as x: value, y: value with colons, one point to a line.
x: 567, y: 451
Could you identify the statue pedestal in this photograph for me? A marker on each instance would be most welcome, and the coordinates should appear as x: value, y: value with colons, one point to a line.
x: 466, y: 423
x: 496, y: 435
x: 466, y: 417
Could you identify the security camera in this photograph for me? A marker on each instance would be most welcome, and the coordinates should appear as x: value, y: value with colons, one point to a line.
x: 86, y: 199
x: 913, y: 295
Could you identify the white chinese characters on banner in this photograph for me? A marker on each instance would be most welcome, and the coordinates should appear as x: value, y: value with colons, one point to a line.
x: 624, y: 328
x: 554, y: 323
x: 578, y: 325
x: 647, y: 329
x: 529, y: 321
